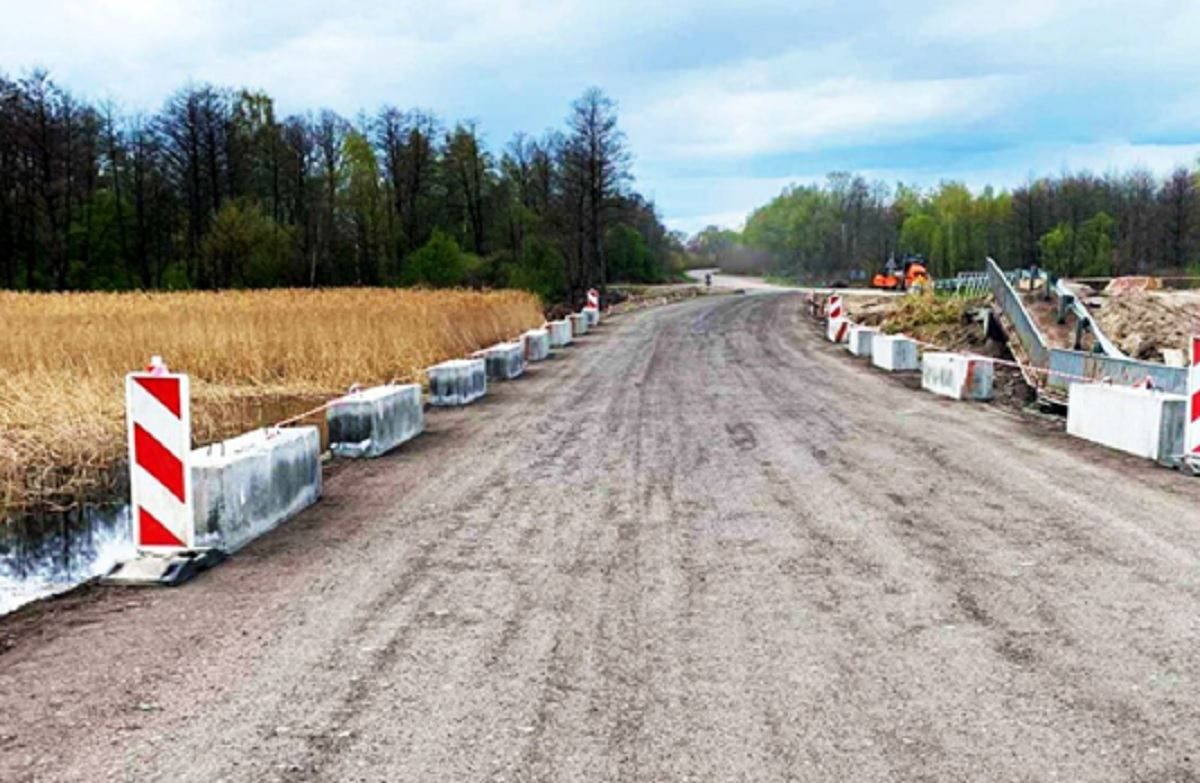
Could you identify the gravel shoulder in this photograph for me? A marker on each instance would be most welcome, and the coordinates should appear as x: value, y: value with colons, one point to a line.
x: 705, y: 545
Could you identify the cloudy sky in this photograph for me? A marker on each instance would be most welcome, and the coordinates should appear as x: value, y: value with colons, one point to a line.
x: 724, y: 102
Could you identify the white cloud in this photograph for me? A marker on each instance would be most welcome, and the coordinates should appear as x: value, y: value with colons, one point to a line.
x: 718, y: 118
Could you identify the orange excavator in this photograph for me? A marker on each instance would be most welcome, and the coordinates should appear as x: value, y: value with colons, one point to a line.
x: 904, y: 275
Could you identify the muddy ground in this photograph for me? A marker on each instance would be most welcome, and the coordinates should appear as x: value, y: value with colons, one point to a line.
x: 704, y: 545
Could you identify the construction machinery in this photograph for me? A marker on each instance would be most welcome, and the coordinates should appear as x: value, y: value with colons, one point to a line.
x: 907, y: 274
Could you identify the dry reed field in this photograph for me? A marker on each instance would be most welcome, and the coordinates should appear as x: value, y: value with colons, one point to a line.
x: 63, y: 358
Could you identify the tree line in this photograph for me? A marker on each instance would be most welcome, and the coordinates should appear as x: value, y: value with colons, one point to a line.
x: 1075, y: 224
x: 216, y: 190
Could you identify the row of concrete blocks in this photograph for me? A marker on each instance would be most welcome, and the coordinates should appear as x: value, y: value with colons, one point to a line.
x: 951, y: 375
x: 248, y: 485
x: 1147, y: 423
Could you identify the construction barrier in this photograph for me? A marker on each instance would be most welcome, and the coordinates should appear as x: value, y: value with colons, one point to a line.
x: 579, y: 324
x: 894, y: 353
x: 593, y: 298
x: 957, y: 376
x: 560, y: 333
x: 158, y: 404
x: 1192, y: 445
x: 372, y: 422
x: 837, y: 330
x: 593, y: 316
x: 1144, y: 422
x: 858, y: 340
x: 836, y: 307
x: 504, y: 361
x: 537, y: 345
x: 250, y: 484
x: 457, y: 382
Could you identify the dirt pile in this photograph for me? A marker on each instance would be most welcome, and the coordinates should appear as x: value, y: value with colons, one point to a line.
x: 949, y: 323
x: 1145, y: 324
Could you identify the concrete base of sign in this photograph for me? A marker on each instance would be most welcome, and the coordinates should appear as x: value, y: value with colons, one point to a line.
x: 858, y: 341
x: 457, y: 382
x: 560, y: 333
x: 166, y: 570
x: 593, y: 316
x: 894, y: 353
x: 837, y: 330
x: 374, y: 421
x: 537, y: 345
x: 244, y: 487
x: 579, y: 325
x: 505, y: 361
x: 956, y: 376
x: 1143, y: 422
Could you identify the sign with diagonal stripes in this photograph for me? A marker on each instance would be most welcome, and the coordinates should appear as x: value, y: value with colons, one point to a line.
x: 1193, y: 407
x: 160, y: 444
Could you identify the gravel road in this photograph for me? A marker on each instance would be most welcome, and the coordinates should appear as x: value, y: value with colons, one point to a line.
x: 705, y: 545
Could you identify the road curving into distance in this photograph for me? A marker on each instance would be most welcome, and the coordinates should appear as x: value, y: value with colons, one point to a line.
x: 704, y: 545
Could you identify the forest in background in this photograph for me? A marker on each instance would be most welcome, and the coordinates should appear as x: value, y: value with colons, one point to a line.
x: 1075, y: 224
x: 216, y: 191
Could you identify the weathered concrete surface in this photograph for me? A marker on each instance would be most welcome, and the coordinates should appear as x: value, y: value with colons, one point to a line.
x: 505, y: 361
x: 894, y: 353
x: 1142, y: 422
x: 537, y: 345
x: 858, y: 340
x: 579, y: 324
x: 374, y: 421
x: 592, y: 314
x: 957, y: 376
x: 245, y: 486
x: 457, y: 382
x: 707, y: 548
x: 561, y: 333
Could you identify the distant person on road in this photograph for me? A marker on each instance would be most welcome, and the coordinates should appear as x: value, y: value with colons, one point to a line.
x: 708, y: 279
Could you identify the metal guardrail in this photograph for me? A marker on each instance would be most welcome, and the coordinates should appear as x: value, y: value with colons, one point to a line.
x: 1084, y: 316
x: 966, y: 284
x: 1067, y: 367
x: 1032, y: 343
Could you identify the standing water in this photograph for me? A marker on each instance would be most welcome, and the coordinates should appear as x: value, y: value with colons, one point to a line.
x: 47, y: 554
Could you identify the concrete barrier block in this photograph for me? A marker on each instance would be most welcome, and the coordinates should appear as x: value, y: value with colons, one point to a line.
x: 505, y: 361
x: 958, y: 377
x: 245, y: 486
x: 858, y: 341
x: 579, y: 324
x: 593, y: 316
x: 374, y: 421
x: 457, y: 382
x: 1144, y: 422
x: 837, y: 330
x: 560, y: 333
x: 537, y: 344
x: 894, y: 353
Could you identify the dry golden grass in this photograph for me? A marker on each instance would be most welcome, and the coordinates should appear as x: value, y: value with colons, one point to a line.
x: 63, y: 358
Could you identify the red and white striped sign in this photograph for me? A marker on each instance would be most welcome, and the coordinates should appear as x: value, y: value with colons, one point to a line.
x: 836, y: 310
x: 1193, y: 427
x: 593, y: 298
x: 158, y: 406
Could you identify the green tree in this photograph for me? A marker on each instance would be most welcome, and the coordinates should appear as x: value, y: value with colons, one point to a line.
x: 440, y: 263
x: 244, y: 247
x: 540, y: 269
x: 1057, y: 247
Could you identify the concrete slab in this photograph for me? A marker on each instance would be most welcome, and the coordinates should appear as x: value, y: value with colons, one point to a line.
x: 245, y: 486
x: 505, y: 361
x: 374, y: 421
x: 858, y: 341
x: 957, y: 376
x: 1143, y: 422
x: 560, y: 333
x: 537, y: 345
x: 894, y: 353
x: 457, y: 382
x: 579, y: 324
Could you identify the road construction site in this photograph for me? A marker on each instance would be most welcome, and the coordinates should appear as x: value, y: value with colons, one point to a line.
x: 705, y: 543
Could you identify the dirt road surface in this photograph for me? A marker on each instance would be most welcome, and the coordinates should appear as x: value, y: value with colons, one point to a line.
x: 704, y: 546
